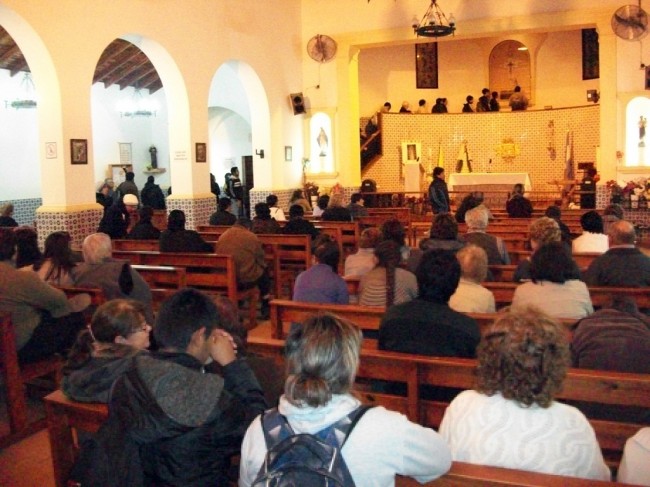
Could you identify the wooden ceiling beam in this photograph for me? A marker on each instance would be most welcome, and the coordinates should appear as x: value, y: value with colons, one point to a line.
x: 122, y: 67
x: 106, y: 63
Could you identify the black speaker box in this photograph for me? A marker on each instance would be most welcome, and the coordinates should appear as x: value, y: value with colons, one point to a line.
x: 297, y: 103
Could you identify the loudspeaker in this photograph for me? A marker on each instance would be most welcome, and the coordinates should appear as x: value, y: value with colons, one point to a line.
x: 297, y: 103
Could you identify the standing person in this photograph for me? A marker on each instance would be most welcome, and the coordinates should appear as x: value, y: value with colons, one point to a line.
x: 386, y: 107
x: 422, y: 106
x: 439, y: 107
x: 151, y: 195
x: 588, y: 189
x: 177, y: 239
x: 128, y: 186
x: 484, y: 101
x: 494, y: 102
x: 467, y: 107
x: 518, y: 206
x: 438, y: 193
x: 518, y: 100
x: 236, y: 192
x: 322, y: 361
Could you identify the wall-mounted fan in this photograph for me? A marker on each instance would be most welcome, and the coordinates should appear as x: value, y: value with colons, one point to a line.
x: 630, y: 22
x: 321, y: 48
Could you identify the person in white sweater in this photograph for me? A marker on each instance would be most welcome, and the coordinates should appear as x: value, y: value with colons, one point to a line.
x: 322, y: 359
x: 470, y: 296
x: 511, y: 420
x: 635, y: 464
x: 593, y: 238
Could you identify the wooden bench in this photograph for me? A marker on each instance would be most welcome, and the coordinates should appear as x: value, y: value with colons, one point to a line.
x: 15, y: 376
x: 502, y: 273
x: 214, y: 273
x: 145, y: 245
x: 349, y: 237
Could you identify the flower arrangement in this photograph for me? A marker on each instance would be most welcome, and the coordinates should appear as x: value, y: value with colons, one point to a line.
x: 310, y: 189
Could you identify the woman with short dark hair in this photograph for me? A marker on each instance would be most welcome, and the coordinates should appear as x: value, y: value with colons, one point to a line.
x: 522, y: 361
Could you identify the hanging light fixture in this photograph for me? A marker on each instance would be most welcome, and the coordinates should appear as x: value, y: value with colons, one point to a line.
x: 137, y: 106
x: 29, y: 99
x: 434, y: 23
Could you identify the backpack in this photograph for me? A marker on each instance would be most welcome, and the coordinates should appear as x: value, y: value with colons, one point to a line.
x: 305, y: 459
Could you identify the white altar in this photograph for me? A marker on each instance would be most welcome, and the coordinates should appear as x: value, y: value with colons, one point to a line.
x: 488, y: 181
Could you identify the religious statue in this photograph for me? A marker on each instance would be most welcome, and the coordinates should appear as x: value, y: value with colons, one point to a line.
x: 154, y: 156
x: 323, y: 141
x: 642, y: 124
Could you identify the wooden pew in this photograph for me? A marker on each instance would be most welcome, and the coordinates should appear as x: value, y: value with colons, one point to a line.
x: 166, y: 277
x: 289, y: 256
x: 350, y: 233
x: 14, y: 377
x: 585, y: 259
x: 502, y: 273
x: 145, y: 245
x: 210, y: 272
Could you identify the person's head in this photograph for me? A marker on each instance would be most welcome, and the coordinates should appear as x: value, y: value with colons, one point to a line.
x: 150, y: 179
x: 272, y: 200
x: 96, y: 247
x: 130, y: 175
x: 130, y: 202
x: 262, y: 211
x: 296, y: 211
x: 444, y: 227
x: 121, y: 321
x: 591, y: 172
x: 369, y: 238
x: 444, y: 101
x: 518, y: 189
x: 552, y: 262
x: 146, y: 213
x: 104, y: 189
x: 388, y: 256
x: 554, y: 212
x: 438, y: 101
x: 230, y: 322
x: 473, y: 262
x: 185, y: 321
x: 336, y: 199
x: 326, y: 251
x: 176, y: 220
x: 109, y: 182
x: 213, y: 178
x: 7, y: 244
x: 439, y: 172
x: 517, y: 89
x: 543, y: 231
x: 394, y: 230
x: 296, y: 195
x: 224, y: 204
x: 234, y: 171
x: 591, y: 221
x: 323, y: 201
x: 405, y: 105
x: 477, y: 218
x: 27, y: 251
x: 356, y: 198
x: 57, y: 250
x: 387, y: 107
x: 469, y: 99
x: 621, y: 233
x: 422, y: 102
x: 524, y: 356
x: 322, y: 359
x: 614, y: 209
x: 7, y: 210
x: 495, y: 94
x: 485, y: 91
x: 438, y: 275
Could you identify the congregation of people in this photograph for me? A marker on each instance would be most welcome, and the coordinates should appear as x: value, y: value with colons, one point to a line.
x: 186, y: 398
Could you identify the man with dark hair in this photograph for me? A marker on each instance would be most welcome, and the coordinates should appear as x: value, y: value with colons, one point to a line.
x: 144, y: 229
x: 177, y: 239
x: 41, y: 315
x: 128, y: 186
x: 467, y: 107
x: 152, y: 195
x: 518, y: 206
x: 623, y: 264
x: 427, y: 325
x: 555, y: 212
x: 297, y: 225
x: 494, y: 102
x: 223, y: 216
x: 439, y: 107
x: 438, y: 193
x: 484, y: 101
x: 592, y: 239
x: 518, y: 100
x: 170, y: 423
x: 356, y: 206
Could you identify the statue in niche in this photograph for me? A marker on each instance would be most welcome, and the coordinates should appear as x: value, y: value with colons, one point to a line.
x: 642, y: 124
x: 154, y: 157
x: 322, y: 141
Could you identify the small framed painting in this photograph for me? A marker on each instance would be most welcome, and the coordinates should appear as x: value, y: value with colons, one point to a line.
x: 79, y: 151
x: 201, y: 152
x: 288, y: 153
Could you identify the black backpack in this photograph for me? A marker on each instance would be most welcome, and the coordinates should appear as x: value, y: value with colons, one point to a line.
x: 298, y: 460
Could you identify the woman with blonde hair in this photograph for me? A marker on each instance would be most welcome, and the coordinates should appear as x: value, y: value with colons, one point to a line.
x: 522, y: 361
x: 322, y: 359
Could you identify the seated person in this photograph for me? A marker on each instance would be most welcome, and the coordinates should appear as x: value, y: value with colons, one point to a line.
x: 393, y: 229
x: 45, y: 322
x: 555, y: 212
x: 297, y: 225
x: 276, y: 213
x: 612, y: 213
x: 144, y: 229
x: 635, y: 464
x: 322, y: 361
x: 442, y: 235
x: 518, y: 206
x: 177, y: 239
x: 335, y: 211
x: 27, y: 251
x: 592, y: 239
x: 387, y: 283
x: 57, y: 262
x: 356, y: 206
x: 470, y: 296
x: 321, y: 205
x: 115, y: 277
x: 321, y: 283
x: 223, y: 216
x: 477, y: 222
x: 359, y: 263
x: 263, y: 223
x: 298, y: 198
x: 427, y: 325
x: 555, y: 288
x: 169, y: 422
x: 6, y: 216
x: 105, y: 350
x: 523, y: 359
x: 472, y: 200
x: 115, y: 221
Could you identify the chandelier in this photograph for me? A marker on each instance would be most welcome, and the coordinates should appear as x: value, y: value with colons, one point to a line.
x: 137, y: 106
x: 434, y: 23
x: 28, y: 100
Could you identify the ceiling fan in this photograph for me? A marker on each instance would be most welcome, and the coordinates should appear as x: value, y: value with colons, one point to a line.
x: 630, y: 22
x: 321, y: 48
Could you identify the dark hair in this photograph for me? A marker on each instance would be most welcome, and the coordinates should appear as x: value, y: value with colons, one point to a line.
x: 554, y: 212
x: 518, y: 188
x: 495, y: 94
x: 297, y: 194
x: 469, y: 98
x: 234, y: 169
x: 117, y: 317
x: 356, y: 197
x: 262, y: 211
x: 422, y: 102
x: 224, y: 203
x: 150, y: 179
x: 438, y: 275
x: 57, y: 249
x: 485, y: 91
x: 552, y: 262
x: 394, y: 230
x: 323, y: 201
x: 591, y: 221
x: 145, y: 213
x: 185, y: 312
x: 438, y: 171
x: 388, y: 105
x: 271, y: 200
x: 230, y: 322
x: 296, y: 211
x: 244, y: 222
x: 176, y: 220
x: 7, y: 244
x: 444, y: 227
x: 389, y: 257
x: 129, y: 175
x: 517, y: 88
x: 327, y: 251
x: 27, y: 251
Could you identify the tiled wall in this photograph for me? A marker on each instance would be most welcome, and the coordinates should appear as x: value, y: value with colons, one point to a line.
x: 197, y: 211
x: 79, y: 224
x: 284, y: 195
x: 24, y: 210
x: 539, y: 134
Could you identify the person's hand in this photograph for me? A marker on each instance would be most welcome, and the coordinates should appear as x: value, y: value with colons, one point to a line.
x: 223, y: 349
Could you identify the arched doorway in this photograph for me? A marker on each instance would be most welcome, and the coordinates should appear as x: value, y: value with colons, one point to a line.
x: 510, y: 67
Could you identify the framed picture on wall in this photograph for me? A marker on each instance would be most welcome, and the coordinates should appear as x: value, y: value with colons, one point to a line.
x: 201, y: 152
x: 79, y: 151
x: 288, y: 153
x: 590, y: 54
x: 426, y: 65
